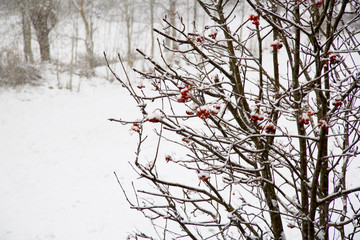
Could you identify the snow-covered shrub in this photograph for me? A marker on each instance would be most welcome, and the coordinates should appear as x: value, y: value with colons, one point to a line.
x: 15, y: 72
x: 268, y: 138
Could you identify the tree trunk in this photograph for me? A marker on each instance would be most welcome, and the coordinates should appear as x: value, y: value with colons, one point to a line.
x: 195, y: 15
x: 43, y: 19
x: 172, y: 13
x: 89, y: 43
x: 44, y: 45
x: 152, y: 27
x: 26, y: 27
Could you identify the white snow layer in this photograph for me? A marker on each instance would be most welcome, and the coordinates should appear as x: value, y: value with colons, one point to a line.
x: 58, y: 153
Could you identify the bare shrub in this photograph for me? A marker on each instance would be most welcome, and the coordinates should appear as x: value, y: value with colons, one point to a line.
x: 14, y: 71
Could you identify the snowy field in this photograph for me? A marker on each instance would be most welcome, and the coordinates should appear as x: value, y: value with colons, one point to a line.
x: 58, y: 153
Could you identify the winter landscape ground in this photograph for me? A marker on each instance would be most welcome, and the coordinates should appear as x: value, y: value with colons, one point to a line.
x: 58, y: 156
x: 58, y: 153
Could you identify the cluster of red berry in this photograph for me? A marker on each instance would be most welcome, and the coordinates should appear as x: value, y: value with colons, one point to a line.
x: 337, y: 102
x: 215, y: 109
x: 323, y: 124
x: 270, y: 128
x: 154, y: 117
x: 254, y: 19
x: 189, y: 112
x: 168, y: 158
x: 153, y: 120
x: 255, y: 116
x: 204, y: 112
x: 136, y: 127
x: 204, y: 176
x: 184, y: 95
x: 213, y: 35
x: 318, y: 2
x: 277, y: 44
x: 304, y: 119
x: 333, y: 58
x: 199, y: 39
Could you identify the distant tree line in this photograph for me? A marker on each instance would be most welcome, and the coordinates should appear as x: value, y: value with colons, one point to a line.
x: 40, y: 17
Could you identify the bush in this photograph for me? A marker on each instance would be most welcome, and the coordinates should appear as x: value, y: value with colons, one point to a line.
x: 14, y: 71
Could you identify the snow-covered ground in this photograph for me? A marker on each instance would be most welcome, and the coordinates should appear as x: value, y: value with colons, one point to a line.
x: 58, y: 153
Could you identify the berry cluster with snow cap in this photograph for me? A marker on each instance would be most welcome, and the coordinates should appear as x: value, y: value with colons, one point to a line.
x: 204, y: 176
x: 276, y: 44
x: 154, y: 117
x: 213, y: 33
x: 255, y: 116
x: 204, y: 112
x: 333, y: 58
x: 318, y: 2
x: 304, y: 119
x: 337, y: 101
x: 323, y: 124
x: 136, y: 127
x: 270, y: 128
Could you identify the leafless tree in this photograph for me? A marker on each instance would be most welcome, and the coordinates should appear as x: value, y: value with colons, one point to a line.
x: 82, y: 7
x: 26, y: 29
x: 270, y: 135
x: 43, y: 17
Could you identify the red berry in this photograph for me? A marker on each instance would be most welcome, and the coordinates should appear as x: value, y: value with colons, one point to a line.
x: 276, y: 44
x: 337, y: 102
x: 215, y: 109
x: 204, y: 176
x: 213, y: 35
x: 154, y: 117
x: 254, y: 17
x: 168, y: 158
x: 189, y: 112
x: 186, y: 140
x: 181, y: 100
x: 305, y: 120
x: 323, y: 124
x: 200, y: 39
x: 254, y: 116
x: 136, y: 127
x: 319, y: 3
x: 270, y: 128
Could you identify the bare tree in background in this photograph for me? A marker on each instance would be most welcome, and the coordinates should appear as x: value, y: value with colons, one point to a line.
x: 152, y: 14
x: 194, y: 14
x: 270, y: 137
x: 127, y: 8
x: 82, y: 7
x: 26, y: 29
x: 43, y: 17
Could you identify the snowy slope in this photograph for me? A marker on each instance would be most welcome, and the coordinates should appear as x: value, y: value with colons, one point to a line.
x: 58, y: 153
